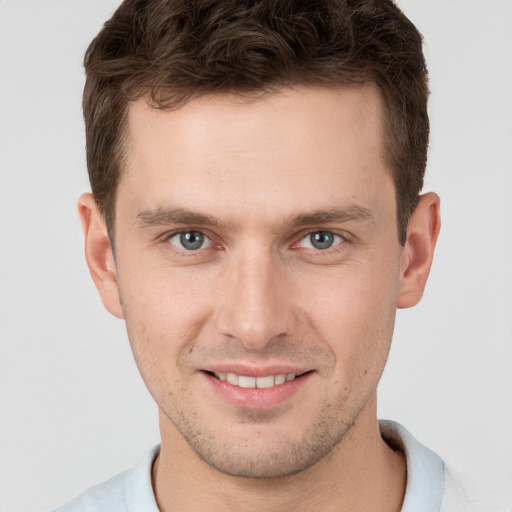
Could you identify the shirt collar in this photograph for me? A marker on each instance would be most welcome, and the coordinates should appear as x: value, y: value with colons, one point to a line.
x: 425, y: 469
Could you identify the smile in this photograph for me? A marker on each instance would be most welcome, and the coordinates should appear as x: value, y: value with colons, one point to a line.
x: 261, y: 389
x: 243, y: 381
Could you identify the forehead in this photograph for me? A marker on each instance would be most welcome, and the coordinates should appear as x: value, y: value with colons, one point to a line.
x: 317, y: 143
x: 344, y: 111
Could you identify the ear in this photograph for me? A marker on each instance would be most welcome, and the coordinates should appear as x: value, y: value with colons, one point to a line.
x: 418, y: 251
x: 98, y: 253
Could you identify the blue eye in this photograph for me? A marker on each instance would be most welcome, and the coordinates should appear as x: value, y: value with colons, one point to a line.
x: 321, y: 240
x: 190, y: 240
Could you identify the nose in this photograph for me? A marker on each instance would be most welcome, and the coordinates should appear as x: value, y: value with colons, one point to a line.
x: 255, y: 304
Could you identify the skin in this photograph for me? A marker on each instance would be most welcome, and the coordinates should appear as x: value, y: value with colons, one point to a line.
x: 252, y: 177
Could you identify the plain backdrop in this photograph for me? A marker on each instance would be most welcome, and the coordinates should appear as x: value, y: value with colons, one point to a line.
x: 73, y: 409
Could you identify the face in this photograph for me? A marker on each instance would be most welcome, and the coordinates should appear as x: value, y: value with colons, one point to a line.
x: 258, y: 267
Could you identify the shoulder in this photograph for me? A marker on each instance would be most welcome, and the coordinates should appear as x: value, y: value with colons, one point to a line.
x: 109, y: 495
x: 456, y: 497
x: 430, y: 486
x: 129, y: 491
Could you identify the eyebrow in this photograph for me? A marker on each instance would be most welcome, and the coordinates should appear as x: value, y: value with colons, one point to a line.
x: 170, y: 216
x: 167, y: 216
x: 349, y: 214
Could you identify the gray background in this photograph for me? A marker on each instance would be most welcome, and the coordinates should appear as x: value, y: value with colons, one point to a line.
x: 73, y: 410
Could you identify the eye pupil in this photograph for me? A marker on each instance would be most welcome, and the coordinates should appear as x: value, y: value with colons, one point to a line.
x: 321, y: 240
x: 191, y: 240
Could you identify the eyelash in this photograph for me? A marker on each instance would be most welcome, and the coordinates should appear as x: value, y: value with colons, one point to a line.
x: 184, y: 252
x: 336, y: 247
x: 323, y: 232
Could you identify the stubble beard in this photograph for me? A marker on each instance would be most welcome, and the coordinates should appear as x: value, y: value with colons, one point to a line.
x: 267, y: 455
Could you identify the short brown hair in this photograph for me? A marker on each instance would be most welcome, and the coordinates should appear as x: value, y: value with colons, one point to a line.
x: 172, y: 51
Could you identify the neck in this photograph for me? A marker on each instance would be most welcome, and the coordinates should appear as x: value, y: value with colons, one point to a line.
x: 361, y: 473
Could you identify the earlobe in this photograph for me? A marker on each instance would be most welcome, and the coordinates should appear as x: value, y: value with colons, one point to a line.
x: 98, y: 254
x: 418, y: 252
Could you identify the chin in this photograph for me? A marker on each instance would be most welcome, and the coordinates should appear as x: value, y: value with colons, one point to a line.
x: 260, y: 452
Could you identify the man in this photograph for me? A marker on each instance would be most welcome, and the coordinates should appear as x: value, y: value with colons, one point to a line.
x: 255, y: 218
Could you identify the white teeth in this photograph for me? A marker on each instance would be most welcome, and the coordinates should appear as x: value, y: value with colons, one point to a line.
x: 246, y: 382
x: 265, y: 382
x: 280, y: 379
x: 269, y: 381
x: 232, y: 379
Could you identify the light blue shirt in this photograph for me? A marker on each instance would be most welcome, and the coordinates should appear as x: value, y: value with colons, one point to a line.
x: 429, y: 487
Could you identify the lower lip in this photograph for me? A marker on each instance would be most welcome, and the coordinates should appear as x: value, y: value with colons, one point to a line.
x: 256, y: 398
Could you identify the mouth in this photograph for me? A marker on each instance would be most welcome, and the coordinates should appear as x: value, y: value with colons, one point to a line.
x: 262, y: 389
x: 248, y: 382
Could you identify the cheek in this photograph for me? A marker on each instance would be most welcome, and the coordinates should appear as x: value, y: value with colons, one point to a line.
x: 160, y: 298
x: 359, y: 293
x: 164, y: 316
x: 353, y: 311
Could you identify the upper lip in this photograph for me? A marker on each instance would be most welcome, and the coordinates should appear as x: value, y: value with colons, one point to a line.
x: 255, y: 371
